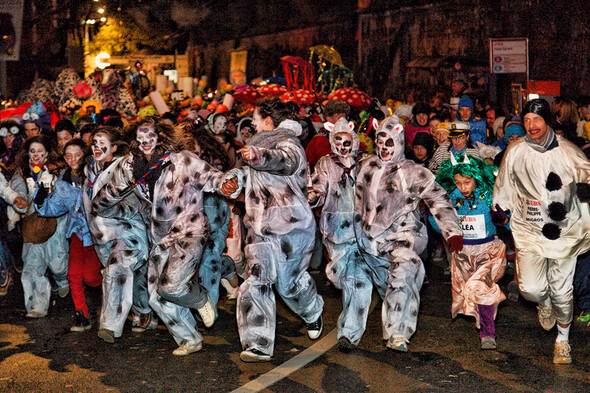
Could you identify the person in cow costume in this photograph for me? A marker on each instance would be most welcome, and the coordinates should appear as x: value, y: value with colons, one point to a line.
x: 172, y: 181
x: 389, y: 232
x: 281, y: 231
x: 333, y: 185
x: 117, y: 228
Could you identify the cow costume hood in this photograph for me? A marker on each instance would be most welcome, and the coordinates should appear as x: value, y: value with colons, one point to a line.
x: 393, y: 128
x: 343, y: 126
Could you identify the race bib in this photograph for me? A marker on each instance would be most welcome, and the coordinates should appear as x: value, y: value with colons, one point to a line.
x: 533, y: 212
x: 474, y: 227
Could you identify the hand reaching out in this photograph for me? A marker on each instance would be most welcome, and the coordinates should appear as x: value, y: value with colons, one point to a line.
x: 248, y: 153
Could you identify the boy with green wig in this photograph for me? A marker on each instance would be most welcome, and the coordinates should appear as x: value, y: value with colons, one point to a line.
x: 476, y: 269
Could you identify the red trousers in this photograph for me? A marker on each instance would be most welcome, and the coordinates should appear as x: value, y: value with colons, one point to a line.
x: 84, y: 268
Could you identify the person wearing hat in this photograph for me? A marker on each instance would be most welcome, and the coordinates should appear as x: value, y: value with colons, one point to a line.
x: 245, y: 130
x: 514, y: 130
x: 459, y: 142
x: 477, y: 126
x: 419, y: 122
x: 333, y: 187
x: 441, y: 135
x: 422, y: 149
x: 537, y: 185
x: 36, y: 120
x: 217, y: 123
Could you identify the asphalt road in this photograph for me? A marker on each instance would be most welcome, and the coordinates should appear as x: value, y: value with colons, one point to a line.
x: 43, y: 355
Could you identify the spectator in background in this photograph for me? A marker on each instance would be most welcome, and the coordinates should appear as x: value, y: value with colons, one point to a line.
x: 86, y: 132
x: 83, y: 120
x: 458, y: 88
x: 422, y: 149
x: 65, y: 131
x: 476, y: 125
x: 419, y: 123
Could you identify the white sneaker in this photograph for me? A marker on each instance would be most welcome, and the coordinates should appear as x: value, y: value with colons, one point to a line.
x: 207, y: 313
x: 184, y: 350
x: 546, y: 317
x: 314, y: 329
x: 562, y: 354
x: 397, y: 343
x: 232, y: 292
x: 253, y: 355
x: 35, y: 314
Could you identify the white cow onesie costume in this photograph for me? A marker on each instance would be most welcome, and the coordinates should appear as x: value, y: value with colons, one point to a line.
x: 119, y: 236
x: 280, y: 240
x: 333, y: 184
x: 179, y: 230
x: 390, y: 234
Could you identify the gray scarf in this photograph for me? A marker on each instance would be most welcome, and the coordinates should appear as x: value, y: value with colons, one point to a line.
x: 548, y: 143
x: 269, y: 139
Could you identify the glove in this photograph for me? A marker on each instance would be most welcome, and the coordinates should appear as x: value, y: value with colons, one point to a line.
x: 42, y: 193
x: 583, y: 192
x: 455, y: 243
x: 505, y: 235
x: 499, y: 216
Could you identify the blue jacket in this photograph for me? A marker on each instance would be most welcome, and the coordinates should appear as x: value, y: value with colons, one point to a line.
x: 67, y: 198
x: 477, y: 129
x: 471, y: 217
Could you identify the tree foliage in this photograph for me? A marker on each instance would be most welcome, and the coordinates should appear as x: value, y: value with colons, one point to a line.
x: 120, y: 36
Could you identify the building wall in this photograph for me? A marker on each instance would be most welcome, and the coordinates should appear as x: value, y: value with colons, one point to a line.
x: 265, y: 51
x: 558, y: 32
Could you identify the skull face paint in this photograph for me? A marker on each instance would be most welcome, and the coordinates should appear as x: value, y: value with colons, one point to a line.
x: 102, y: 148
x: 343, y: 144
x: 385, y: 146
x: 147, y: 139
x: 220, y: 124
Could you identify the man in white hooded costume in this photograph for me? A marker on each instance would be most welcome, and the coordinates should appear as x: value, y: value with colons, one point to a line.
x: 389, y: 232
x: 537, y: 183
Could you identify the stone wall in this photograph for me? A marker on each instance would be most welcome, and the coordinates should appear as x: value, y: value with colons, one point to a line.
x: 265, y: 51
x: 389, y: 39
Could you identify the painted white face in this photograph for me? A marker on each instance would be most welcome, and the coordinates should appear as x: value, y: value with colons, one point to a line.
x: 37, y: 154
x: 220, y: 124
x: 102, y: 148
x: 147, y: 139
x: 343, y: 144
x: 385, y: 147
x: 246, y: 133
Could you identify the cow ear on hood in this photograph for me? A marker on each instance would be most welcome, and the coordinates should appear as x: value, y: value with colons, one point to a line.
x: 375, y: 123
x: 329, y: 126
x: 398, y: 128
x: 351, y: 125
